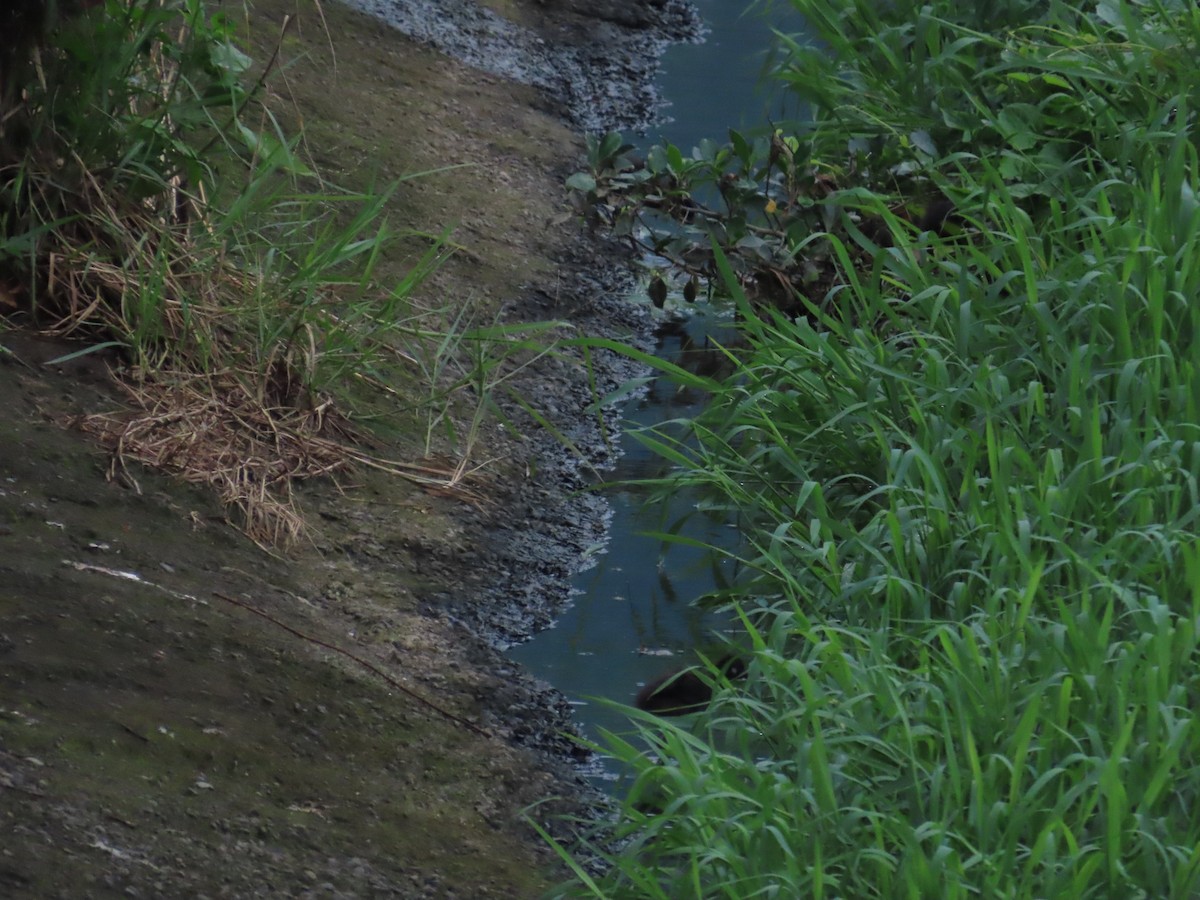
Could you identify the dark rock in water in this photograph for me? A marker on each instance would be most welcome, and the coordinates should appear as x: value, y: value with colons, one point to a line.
x: 684, y: 691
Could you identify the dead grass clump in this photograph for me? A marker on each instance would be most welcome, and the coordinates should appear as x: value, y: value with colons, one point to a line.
x: 211, y: 430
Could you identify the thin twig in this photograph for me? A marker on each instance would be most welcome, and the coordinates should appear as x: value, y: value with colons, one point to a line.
x: 362, y: 662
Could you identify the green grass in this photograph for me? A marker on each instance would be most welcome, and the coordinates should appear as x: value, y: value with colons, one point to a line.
x: 967, y: 488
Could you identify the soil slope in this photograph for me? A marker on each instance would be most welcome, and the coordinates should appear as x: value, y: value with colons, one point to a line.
x: 177, y: 717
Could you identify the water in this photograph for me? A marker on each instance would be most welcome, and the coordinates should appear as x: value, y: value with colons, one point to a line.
x: 718, y: 85
x: 633, y: 617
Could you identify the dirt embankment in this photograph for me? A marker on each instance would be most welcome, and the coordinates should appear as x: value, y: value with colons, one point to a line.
x: 157, y: 740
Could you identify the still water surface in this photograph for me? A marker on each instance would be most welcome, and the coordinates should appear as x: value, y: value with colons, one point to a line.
x: 718, y: 85
x: 634, y: 605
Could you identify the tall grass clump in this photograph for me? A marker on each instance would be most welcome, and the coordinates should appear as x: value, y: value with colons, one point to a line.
x: 967, y: 479
x: 152, y: 208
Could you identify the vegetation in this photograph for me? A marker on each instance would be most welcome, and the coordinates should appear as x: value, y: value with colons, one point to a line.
x: 964, y: 455
x: 152, y: 207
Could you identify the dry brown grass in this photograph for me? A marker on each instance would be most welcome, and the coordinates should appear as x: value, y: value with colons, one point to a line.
x: 210, y: 429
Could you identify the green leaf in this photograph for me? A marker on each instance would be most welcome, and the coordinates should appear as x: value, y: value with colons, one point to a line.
x: 674, y: 159
x: 923, y: 142
x: 582, y: 181
x: 227, y: 57
x: 609, y: 146
x: 656, y: 160
x: 740, y: 147
x: 95, y: 348
x: 272, y: 152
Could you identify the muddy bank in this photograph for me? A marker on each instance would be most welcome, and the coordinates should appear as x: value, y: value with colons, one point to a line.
x: 594, y: 60
x: 545, y: 524
x: 592, y: 64
x: 156, y: 740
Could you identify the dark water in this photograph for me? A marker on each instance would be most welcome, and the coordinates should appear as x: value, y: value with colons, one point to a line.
x: 719, y: 84
x: 633, y: 617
